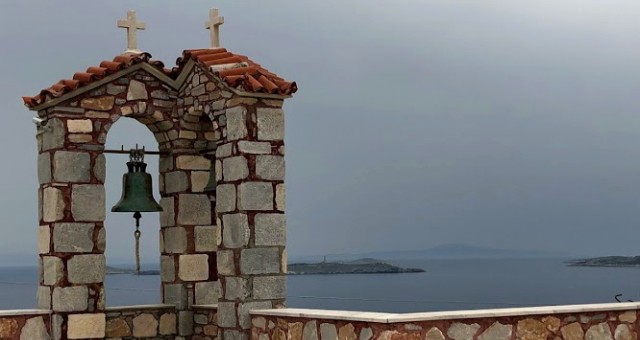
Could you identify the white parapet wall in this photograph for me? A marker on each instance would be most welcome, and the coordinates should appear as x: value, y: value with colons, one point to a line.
x: 591, y: 321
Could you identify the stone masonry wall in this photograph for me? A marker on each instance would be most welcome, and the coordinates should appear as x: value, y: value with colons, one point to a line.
x: 226, y: 244
x: 205, y: 321
x: 25, y: 326
x: 141, y: 322
x: 71, y: 172
x: 603, y: 325
x: 249, y: 198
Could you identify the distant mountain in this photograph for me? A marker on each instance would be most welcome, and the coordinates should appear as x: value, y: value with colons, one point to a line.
x: 447, y: 251
x: 606, y: 261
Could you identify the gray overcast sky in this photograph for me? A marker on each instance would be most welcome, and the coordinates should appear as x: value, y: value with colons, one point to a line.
x: 511, y: 124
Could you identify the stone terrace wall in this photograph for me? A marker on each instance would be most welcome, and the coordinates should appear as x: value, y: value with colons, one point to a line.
x: 141, y: 322
x: 590, y: 322
x: 205, y: 323
x: 25, y: 325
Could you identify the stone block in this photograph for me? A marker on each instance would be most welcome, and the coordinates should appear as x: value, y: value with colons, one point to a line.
x: 86, y: 326
x: 270, y: 230
x: 167, y: 324
x: 80, y: 138
x: 175, y: 294
x: 270, y: 167
x: 175, y: 240
x: 70, y: 299
x: 137, y: 91
x: 224, y: 150
x: 165, y: 163
x: 235, y: 230
x: 346, y: 332
x: 97, y: 114
x: 572, y: 331
x: 236, y: 123
x: 98, y: 104
x: 227, y: 315
x: 260, y: 261
x: 145, y: 325
x: 100, y: 168
x: 497, y: 331
x: 44, y: 297
x: 167, y: 269
x: 309, y: 332
x: 8, y: 328
x: 199, y: 180
x: 53, y: 270
x: 281, y: 198
x: 54, y: 135
x: 44, y: 167
x: 87, y: 202
x: 433, y: 334
x: 254, y: 147
x: 193, y: 267
x: 601, y: 331
x: 44, y: 239
x: 34, y: 329
x: 117, y: 328
x: 190, y: 162
x: 86, y: 268
x: 185, y: 323
x: 70, y: 166
x: 194, y: 209
x: 225, y: 198
x: 207, y: 293
x: 270, y: 124
x: 234, y: 168
x: 528, y: 328
x: 205, y: 238
x: 244, y: 318
x: 236, y: 288
x: 624, y: 332
x: 176, y: 181
x: 225, y: 262
x: 328, y: 331
x: 79, y: 126
x: 255, y: 196
x: 167, y: 215
x: 269, y: 287
x: 52, y: 204
x: 73, y: 237
x: 462, y: 331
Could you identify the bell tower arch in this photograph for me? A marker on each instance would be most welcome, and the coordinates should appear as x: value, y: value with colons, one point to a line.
x: 222, y: 238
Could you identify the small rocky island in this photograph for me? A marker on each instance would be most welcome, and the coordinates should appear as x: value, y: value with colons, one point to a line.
x: 361, y: 266
x: 606, y: 261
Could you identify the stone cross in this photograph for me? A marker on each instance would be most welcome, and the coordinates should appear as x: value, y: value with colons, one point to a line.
x: 214, y: 26
x: 132, y: 26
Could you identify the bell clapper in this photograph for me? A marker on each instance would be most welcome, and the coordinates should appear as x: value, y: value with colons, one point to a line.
x: 137, y: 234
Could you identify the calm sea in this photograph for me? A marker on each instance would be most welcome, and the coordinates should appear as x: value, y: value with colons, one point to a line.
x: 447, y: 285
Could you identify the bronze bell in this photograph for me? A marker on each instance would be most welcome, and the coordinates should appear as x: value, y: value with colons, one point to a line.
x: 211, y: 185
x: 137, y: 191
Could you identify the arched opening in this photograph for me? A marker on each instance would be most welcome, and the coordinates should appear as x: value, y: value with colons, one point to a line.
x: 122, y: 286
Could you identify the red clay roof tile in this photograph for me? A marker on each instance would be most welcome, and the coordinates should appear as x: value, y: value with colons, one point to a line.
x: 246, y: 78
x: 92, y: 74
x: 246, y: 75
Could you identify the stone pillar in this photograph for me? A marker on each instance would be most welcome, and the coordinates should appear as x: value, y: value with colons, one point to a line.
x: 71, y: 231
x: 250, y: 211
x: 188, y: 236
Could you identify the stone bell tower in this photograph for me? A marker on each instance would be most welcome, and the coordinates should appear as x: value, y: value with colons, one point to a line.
x: 225, y: 246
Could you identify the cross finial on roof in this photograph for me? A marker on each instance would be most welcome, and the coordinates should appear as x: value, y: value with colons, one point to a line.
x: 132, y: 26
x: 214, y: 26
